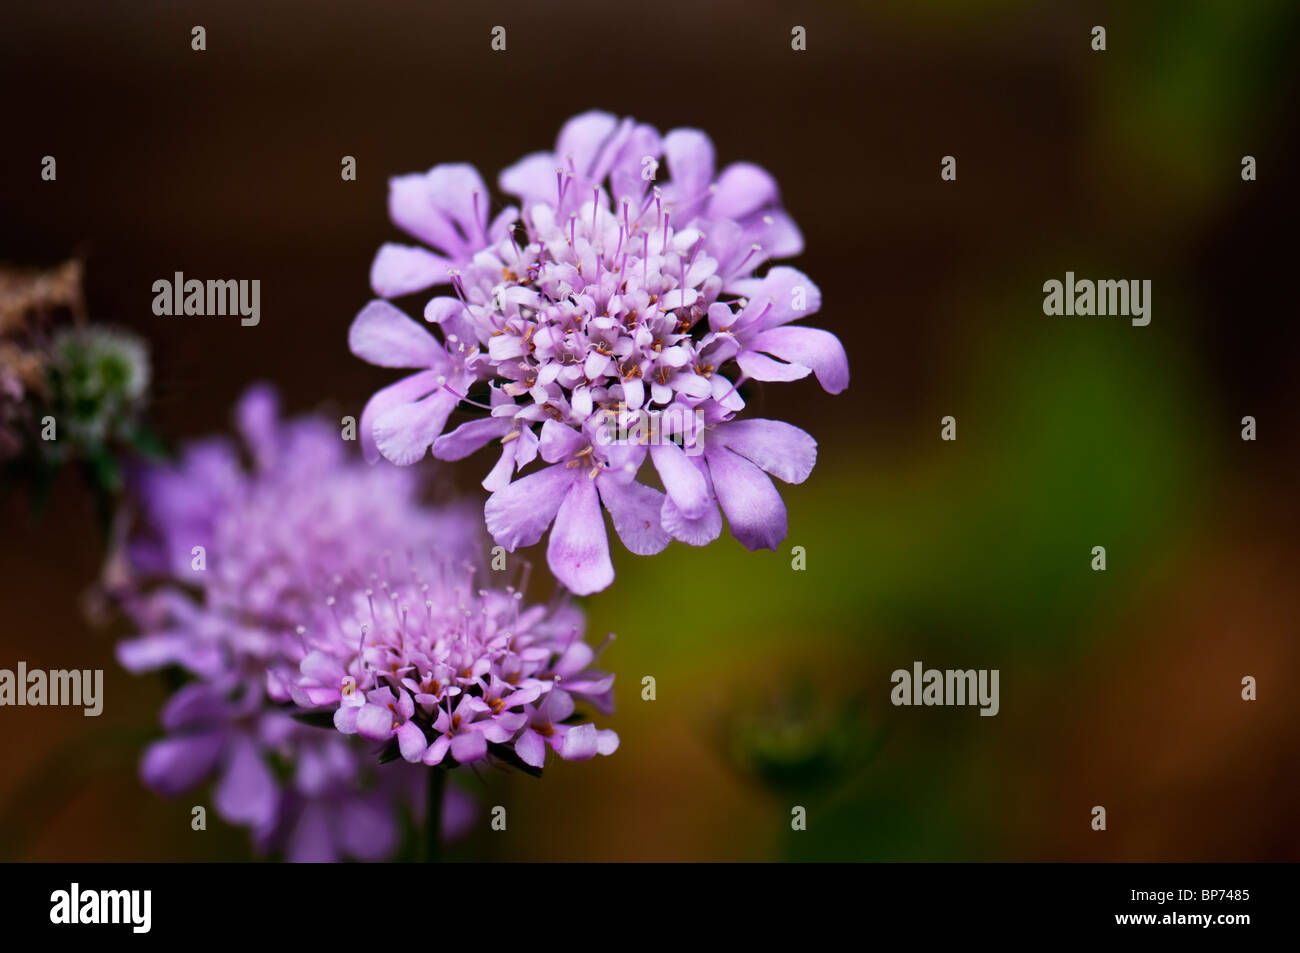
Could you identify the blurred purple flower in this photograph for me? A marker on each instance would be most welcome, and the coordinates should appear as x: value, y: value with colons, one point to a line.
x: 274, y: 536
x: 451, y: 673
x: 607, y: 298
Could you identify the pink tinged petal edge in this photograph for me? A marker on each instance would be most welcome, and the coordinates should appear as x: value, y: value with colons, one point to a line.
x: 518, y: 514
x: 781, y: 449
x: 383, y: 335
x: 811, y: 347
x: 578, y: 553
x: 752, y: 504
x: 635, y: 509
x: 403, y: 269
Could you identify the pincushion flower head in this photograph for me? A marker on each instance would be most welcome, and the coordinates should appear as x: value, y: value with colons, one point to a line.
x: 447, y: 674
x: 229, y: 562
x: 613, y: 315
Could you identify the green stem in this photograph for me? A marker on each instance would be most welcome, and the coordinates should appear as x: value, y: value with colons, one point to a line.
x: 433, y: 814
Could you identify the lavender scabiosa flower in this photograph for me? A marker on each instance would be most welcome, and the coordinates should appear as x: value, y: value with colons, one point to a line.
x: 603, y: 295
x: 229, y: 559
x: 446, y: 674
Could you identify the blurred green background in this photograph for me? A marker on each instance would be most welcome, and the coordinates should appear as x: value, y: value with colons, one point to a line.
x: 1119, y: 688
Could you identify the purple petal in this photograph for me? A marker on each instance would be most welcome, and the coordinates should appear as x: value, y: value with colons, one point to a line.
x: 404, y: 433
x: 690, y: 163
x: 450, y: 315
x: 531, y: 749
x: 247, y: 793
x: 468, y: 746
x: 496, y: 732
x: 635, y: 509
x: 682, y: 479
x: 174, y: 765
x: 375, y: 722
x: 405, y: 391
x: 471, y: 436
x: 582, y: 138
x: 578, y: 553
x: 151, y: 652
x: 499, y: 229
x: 779, y: 297
x: 532, y: 178
x: 438, y: 750
x: 694, y: 532
x: 411, y: 742
x: 574, y: 659
x: 345, y: 720
x: 193, y: 706
x: 780, y: 237
x: 559, y: 442
x: 498, y: 477
x: 579, y: 743
x: 626, y: 176
x: 383, y: 335
x: 403, y: 269
x: 458, y: 192
x: 322, y: 667
x: 556, y: 706
x: 763, y: 368
x: 741, y: 190
x: 439, y: 208
x: 258, y: 415
x: 518, y: 514
x: 781, y: 449
x: 752, y: 504
x: 811, y: 347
